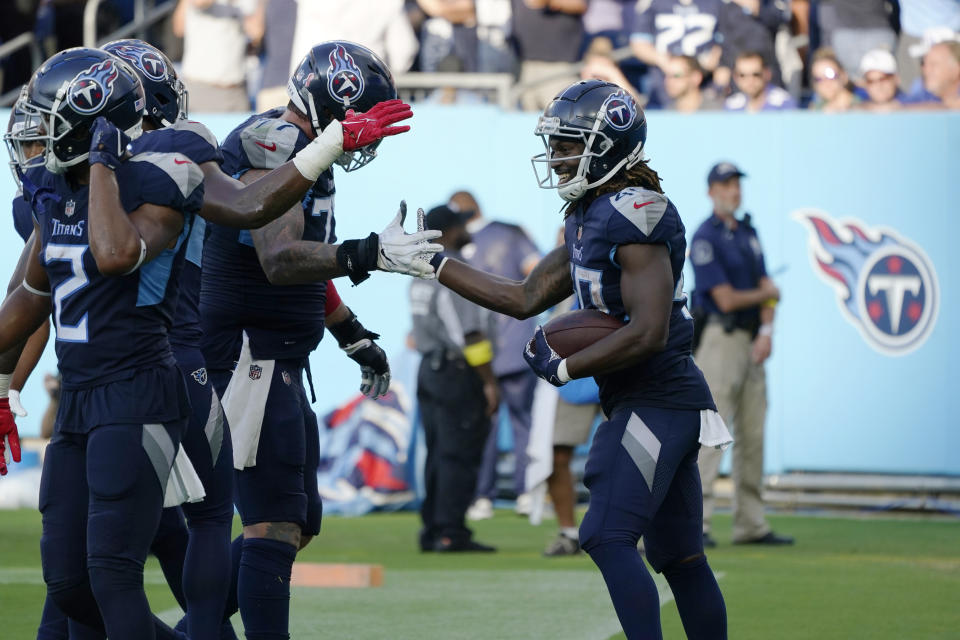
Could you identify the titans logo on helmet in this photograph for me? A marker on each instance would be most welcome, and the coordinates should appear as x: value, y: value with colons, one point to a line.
x: 89, y: 90
x: 619, y: 110
x: 143, y: 59
x: 344, y: 80
x: 886, y: 286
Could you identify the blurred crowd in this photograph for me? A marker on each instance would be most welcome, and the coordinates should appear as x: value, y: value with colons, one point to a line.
x: 685, y: 55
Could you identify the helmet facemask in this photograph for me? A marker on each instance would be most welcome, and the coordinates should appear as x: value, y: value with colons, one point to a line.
x: 595, y: 167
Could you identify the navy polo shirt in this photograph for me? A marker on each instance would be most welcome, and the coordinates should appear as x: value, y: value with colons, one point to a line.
x: 726, y: 256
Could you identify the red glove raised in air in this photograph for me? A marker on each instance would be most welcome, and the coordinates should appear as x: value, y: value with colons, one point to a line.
x: 361, y: 129
x: 8, y: 435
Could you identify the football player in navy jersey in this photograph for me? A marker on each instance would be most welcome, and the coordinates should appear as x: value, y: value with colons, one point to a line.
x: 109, y: 241
x: 23, y: 223
x: 264, y: 303
x: 623, y: 254
x: 230, y: 203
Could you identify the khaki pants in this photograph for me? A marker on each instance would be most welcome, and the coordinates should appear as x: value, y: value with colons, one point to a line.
x: 739, y: 388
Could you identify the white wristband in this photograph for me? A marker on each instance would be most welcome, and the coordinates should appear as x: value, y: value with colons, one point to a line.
x: 765, y: 330
x: 562, y: 374
x: 442, y: 262
x: 36, y: 292
x: 320, y: 154
x: 143, y: 255
x: 5, y: 384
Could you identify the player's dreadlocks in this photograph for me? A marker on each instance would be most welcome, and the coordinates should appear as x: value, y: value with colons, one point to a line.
x: 639, y: 175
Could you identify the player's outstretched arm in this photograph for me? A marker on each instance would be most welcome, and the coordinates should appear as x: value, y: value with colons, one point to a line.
x: 358, y: 343
x: 547, y: 284
x: 288, y: 259
x: 250, y: 205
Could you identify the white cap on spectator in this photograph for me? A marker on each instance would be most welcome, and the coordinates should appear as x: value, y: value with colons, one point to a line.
x: 878, y: 60
x: 932, y: 36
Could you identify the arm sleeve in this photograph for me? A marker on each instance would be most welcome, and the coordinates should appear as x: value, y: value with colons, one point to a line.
x: 333, y: 299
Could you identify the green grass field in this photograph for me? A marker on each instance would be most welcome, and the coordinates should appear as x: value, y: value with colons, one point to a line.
x: 847, y: 578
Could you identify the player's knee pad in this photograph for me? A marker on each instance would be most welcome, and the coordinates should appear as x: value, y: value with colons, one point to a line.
x: 679, y: 566
x: 596, y: 530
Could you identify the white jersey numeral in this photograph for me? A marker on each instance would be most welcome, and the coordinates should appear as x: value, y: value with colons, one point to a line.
x: 74, y: 255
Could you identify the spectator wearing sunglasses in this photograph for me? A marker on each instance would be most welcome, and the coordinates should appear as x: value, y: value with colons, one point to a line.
x: 881, y: 81
x: 831, y: 84
x: 683, y: 81
x: 752, y: 76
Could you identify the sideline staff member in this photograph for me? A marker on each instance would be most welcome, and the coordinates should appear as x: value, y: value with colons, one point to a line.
x: 457, y: 394
x: 735, y: 300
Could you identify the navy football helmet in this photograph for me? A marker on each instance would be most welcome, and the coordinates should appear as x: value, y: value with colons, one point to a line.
x: 164, y: 92
x: 63, y: 98
x: 608, y: 121
x: 335, y: 77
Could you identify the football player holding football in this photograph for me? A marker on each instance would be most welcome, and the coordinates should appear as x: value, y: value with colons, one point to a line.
x: 623, y: 254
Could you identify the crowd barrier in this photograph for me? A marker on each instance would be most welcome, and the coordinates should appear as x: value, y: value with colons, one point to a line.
x: 857, y: 214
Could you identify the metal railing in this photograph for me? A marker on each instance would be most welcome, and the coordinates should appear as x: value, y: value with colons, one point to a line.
x: 145, y: 15
x: 24, y: 40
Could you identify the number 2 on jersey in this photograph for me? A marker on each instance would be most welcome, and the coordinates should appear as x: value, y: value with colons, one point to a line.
x: 74, y: 255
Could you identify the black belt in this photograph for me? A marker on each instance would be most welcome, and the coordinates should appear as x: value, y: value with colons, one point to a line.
x: 732, y: 321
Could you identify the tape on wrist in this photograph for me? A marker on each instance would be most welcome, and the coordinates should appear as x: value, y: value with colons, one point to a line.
x: 562, y: 374
x: 478, y: 353
x: 765, y: 330
x: 320, y: 154
x: 5, y: 384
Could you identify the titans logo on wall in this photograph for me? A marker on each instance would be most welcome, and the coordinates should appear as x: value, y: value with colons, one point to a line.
x: 886, y: 285
x: 344, y: 80
x: 619, y: 110
x: 90, y: 89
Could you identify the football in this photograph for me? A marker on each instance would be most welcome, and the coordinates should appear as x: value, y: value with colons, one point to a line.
x: 574, y: 330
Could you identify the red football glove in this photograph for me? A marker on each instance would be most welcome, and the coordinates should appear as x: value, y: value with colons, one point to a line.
x: 8, y: 432
x: 361, y: 129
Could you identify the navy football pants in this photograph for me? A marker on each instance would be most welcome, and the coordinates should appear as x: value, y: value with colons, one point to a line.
x: 101, y: 499
x: 643, y: 481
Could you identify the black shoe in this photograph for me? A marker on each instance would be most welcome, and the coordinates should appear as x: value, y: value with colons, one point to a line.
x: 426, y: 541
x: 447, y: 545
x: 770, y: 538
x: 708, y: 541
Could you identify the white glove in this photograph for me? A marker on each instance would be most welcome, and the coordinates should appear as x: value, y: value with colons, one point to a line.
x: 408, y: 253
x: 15, y: 407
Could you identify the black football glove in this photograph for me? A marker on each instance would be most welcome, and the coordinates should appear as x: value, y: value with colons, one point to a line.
x: 107, y: 144
x: 358, y: 343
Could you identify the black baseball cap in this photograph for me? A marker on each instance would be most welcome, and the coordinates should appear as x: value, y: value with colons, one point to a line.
x: 723, y: 171
x: 443, y: 217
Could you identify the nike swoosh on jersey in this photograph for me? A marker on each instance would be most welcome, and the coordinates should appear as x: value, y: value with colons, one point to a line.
x: 181, y: 161
x: 638, y: 206
x: 271, y: 147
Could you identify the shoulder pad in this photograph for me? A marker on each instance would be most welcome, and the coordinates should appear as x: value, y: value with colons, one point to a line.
x: 269, y: 142
x: 196, y: 128
x: 642, y: 207
x: 183, y: 171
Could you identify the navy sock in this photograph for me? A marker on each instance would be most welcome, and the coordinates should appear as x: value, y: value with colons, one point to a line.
x: 53, y: 622
x: 263, y: 588
x: 206, y: 577
x: 170, y: 548
x: 699, y: 601
x: 632, y: 589
x: 118, y: 586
